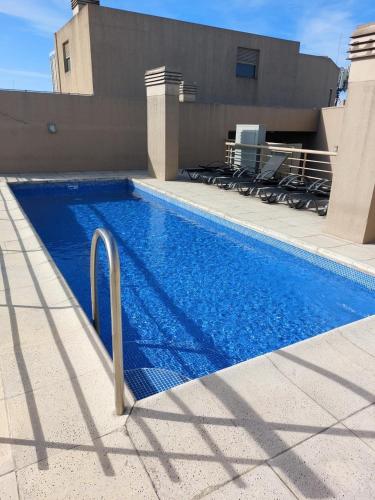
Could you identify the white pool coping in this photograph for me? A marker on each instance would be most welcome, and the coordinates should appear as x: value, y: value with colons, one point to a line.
x: 298, y: 422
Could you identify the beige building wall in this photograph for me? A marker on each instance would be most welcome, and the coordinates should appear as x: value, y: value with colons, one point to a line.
x: 329, y: 129
x: 316, y: 78
x: 124, y: 45
x: 102, y: 133
x: 77, y: 32
x: 328, y: 134
x: 93, y: 133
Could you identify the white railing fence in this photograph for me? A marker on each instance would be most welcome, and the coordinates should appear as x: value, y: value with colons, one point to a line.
x: 309, y: 163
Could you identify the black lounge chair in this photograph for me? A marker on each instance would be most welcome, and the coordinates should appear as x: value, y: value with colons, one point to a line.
x: 193, y: 173
x: 290, y: 183
x: 226, y: 181
x: 247, y: 176
x: 210, y: 177
x: 316, y: 196
x: 268, y: 176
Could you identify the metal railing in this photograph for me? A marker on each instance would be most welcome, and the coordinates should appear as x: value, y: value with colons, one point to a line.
x: 116, y: 317
x: 308, y: 163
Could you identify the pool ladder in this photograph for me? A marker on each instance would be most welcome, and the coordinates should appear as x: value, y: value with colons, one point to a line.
x: 116, y: 316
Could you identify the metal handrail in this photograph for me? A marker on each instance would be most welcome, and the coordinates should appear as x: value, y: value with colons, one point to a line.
x: 302, y: 164
x: 115, y: 293
x: 280, y: 148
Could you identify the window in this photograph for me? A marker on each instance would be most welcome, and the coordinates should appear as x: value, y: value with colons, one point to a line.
x: 247, y: 63
x: 66, y: 55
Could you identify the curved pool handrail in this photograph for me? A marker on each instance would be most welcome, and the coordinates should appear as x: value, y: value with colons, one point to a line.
x: 116, y: 317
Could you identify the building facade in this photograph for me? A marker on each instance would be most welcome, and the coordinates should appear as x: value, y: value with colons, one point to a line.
x: 106, y: 52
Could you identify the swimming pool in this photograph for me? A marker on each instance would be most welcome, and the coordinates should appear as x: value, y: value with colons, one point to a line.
x: 198, y: 293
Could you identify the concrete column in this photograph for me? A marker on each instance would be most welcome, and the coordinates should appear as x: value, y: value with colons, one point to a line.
x: 351, y: 213
x: 162, y: 88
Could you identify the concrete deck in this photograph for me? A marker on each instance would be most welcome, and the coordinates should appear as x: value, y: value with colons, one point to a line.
x: 299, y: 422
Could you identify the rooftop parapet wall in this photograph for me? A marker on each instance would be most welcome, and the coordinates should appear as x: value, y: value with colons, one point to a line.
x: 100, y: 133
x: 92, y: 133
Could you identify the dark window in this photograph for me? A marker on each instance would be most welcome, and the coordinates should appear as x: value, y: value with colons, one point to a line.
x: 246, y: 70
x: 247, y: 63
x: 231, y: 135
x: 66, y: 55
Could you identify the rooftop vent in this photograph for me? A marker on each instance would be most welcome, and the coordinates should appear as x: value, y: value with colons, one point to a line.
x: 77, y: 4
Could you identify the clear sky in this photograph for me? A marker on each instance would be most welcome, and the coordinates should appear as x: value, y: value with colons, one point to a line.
x: 322, y: 27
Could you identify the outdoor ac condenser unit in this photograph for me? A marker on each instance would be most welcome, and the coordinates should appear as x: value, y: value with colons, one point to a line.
x: 248, y: 134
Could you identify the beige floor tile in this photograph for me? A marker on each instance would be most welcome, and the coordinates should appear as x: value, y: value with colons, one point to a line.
x: 31, y: 325
x: 358, y: 252
x: 8, y: 487
x: 1, y: 383
x: 261, y: 483
x: 362, y: 424
x: 71, y: 413
x: 330, y: 376
x: 21, y: 268
x: 18, y: 244
x: 38, y: 293
x: 209, y: 431
x: 6, y: 458
x: 352, y: 352
x: 370, y: 264
x: 339, y: 464
x: 322, y: 241
x: 31, y: 367
x: 361, y: 334
x: 109, y: 469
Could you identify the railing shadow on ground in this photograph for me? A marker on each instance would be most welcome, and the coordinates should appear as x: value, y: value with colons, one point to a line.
x: 219, y: 388
x: 80, y: 397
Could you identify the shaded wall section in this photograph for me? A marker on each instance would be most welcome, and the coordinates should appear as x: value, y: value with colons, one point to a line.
x: 204, y: 127
x: 328, y: 134
x: 329, y: 128
x: 93, y: 133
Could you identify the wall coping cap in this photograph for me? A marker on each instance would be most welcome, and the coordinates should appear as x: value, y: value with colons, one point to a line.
x: 76, y: 3
x: 162, y: 76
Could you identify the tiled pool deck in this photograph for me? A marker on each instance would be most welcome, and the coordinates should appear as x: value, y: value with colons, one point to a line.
x: 299, y: 422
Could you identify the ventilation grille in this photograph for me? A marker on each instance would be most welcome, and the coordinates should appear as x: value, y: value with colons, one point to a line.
x: 247, y: 56
x: 75, y: 3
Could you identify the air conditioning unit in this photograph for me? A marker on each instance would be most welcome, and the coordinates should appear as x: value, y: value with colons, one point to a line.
x: 249, y: 135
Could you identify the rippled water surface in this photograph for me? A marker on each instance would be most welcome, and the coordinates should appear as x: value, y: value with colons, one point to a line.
x: 196, y: 296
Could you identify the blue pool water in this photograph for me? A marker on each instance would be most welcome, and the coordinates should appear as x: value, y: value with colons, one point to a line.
x: 197, y: 295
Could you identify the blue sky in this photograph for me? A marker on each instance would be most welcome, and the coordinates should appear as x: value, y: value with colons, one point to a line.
x: 322, y: 27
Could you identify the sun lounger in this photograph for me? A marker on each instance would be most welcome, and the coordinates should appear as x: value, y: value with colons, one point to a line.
x: 268, y: 176
x: 290, y: 183
x: 214, y: 166
x: 316, y: 196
